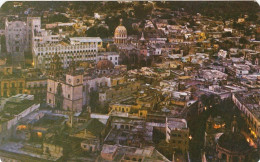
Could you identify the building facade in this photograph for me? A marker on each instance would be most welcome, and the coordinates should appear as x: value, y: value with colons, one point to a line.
x: 177, y: 133
x: 16, y: 40
x: 81, y: 48
x: 64, y: 94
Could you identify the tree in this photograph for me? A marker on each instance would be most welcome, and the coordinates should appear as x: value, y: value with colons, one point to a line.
x: 227, y: 34
x: 227, y: 44
x: 142, y: 10
x: 238, y: 26
x: 58, y: 18
x: 3, y: 45
x: 252, y: 17
x: 243, y: 40
x: 98, y: 32
x: 171, y: 22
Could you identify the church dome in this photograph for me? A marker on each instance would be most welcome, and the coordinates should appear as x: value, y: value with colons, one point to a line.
x: 105, y: 65
x: 120, y: 34
x: 120, y: 30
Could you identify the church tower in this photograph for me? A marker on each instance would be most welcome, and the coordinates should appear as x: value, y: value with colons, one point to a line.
x: 65, y: 93
x: 56, y: 69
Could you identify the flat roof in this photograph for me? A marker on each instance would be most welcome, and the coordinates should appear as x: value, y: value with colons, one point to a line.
x: 86, y: 39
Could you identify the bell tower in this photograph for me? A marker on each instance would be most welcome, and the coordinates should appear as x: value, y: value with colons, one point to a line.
x: 56, y: 67
x: 59, y: 97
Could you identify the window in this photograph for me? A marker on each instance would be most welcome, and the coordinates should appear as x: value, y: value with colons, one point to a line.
x: 50, y: 89
x: 68, y: 95
x: 13, y: 85
x: 49, y: 100
x: 110, y: 58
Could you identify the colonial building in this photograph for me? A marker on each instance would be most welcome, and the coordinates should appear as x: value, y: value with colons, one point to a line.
x: 11, y: 83
x: 111, y: 56
x: 80, y: 48
x: 16, y: 40
x: 33, y: 27
x: 65, y: 93
x: 177, y: 133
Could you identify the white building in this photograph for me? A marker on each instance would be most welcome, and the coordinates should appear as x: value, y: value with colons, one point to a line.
x: 80, y: 48
x: 222, y: 54
x: 112, y: 56
x: 33, y: 27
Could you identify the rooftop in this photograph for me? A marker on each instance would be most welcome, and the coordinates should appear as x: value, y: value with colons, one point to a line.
x: 85, y: 39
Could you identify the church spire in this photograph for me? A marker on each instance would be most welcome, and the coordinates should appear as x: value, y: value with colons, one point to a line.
x: 142, y: 38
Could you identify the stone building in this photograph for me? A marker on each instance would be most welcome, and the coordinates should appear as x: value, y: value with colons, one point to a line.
x: 111, y: 56
x: 65, y: 93
x: 33, y: 27
x: 16, y: 40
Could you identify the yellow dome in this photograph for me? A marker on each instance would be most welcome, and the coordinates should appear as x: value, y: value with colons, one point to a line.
x: 120, y: 35
x: 120, y: 30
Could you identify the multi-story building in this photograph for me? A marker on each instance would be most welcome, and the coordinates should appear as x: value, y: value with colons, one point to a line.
x: 19, y: 36
x: 33, y: 27
x: 249, y: 104
x: 81, y: 48
x: 11, y: 83
x: 36, y: 86
x: 177, y: 133
x: 16, y: 40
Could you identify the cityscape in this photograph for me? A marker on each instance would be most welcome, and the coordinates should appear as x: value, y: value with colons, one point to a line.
x: 146, y: 81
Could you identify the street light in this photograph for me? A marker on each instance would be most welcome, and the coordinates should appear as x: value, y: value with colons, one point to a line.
x: 190, y: 137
